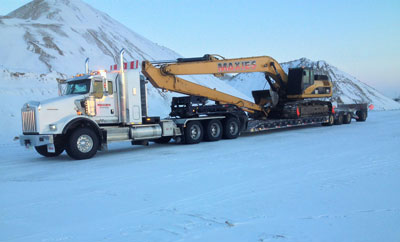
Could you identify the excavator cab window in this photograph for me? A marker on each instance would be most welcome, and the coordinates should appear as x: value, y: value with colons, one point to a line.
x: 308, y: 78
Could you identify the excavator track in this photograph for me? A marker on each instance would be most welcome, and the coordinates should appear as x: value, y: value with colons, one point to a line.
x: 302, y: 109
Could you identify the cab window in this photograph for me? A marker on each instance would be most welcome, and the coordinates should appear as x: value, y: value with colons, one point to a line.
x: 77, y: 87
x: 110, y: 88
x: 306, y: 78
x: 98, y: 89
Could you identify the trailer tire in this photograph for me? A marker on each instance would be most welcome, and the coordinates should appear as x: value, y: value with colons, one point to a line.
x: 331, y: 120
x: 231, y: 128
x: 347, y: 118
x: 193, y: 132
x: 339, y: 120
x: 362, y: 116
x: 213, y: 130
x: 82, y: 144
x: 163, y: 140
x: 42, y: 150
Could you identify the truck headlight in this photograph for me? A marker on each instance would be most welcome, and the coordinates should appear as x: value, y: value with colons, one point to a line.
x: 53, y: 127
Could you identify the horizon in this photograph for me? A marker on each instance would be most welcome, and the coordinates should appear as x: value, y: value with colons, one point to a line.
x: 361, y: 39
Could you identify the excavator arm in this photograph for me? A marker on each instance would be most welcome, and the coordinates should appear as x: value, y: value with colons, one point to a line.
x: 211, y: 64
x: 164, y: 76
x: 173, y: 83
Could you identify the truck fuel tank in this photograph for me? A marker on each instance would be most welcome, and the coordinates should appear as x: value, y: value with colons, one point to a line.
x: 151, y: 131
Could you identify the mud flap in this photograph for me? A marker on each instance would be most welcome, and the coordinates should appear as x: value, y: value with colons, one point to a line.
x: 51, y: 148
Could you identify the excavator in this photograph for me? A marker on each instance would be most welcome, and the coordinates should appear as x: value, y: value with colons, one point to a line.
x: 292, y: 95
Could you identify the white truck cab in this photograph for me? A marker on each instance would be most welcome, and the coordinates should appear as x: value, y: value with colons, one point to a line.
x: 93, y: 109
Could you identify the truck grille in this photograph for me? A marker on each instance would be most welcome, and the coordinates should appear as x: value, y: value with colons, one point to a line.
x: 28, y: 121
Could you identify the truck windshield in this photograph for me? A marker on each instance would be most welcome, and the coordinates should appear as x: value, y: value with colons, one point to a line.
x: 78, y: 87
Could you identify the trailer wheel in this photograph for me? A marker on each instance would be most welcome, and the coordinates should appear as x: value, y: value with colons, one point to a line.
x: 362, y: 116
x: 347, y: 118
x: 231, y: 128
x: 43, y: 150
x: 163, y: 140
x: 339, y: 120
x: 331, y: 121
x: 82, y: 144
x: 193, y: 132
x: 213, y: 130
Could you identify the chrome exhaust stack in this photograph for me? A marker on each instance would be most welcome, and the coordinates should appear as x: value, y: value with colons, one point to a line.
x: 122, y: 90
x: 87, y: 65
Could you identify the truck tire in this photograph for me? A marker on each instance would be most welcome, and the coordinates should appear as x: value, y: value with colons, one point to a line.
x: 339, y: 119
x: 362, y: 116
x: 331, y: 120
x: 213, y: 130
x: 82, y: 144
x: 163, y: 140
x: 193, y: 132
x: 43, y: 151
x: 231, y: 128
x: 347, y: 118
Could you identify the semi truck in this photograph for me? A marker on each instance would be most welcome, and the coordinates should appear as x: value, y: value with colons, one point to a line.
x: 99, y: 107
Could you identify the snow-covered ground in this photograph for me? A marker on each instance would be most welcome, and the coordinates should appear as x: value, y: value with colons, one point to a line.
x: 338, y: 183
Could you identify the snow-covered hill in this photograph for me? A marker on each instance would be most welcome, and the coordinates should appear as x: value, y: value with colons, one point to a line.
x: 51, y: 39
x: 346, y: 88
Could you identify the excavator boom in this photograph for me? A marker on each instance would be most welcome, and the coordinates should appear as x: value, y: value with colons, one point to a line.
x: 170, y: 82
x: 164, y: 76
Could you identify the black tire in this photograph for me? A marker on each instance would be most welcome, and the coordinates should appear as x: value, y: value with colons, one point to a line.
x: 231, y: 128
x: 82, y: 144
x: 213, y: 130
x: 339, y: 120
x: 347, y: 118
x: 163, y: 140
x: 331, y: 120
x: 362, y: 116
x: 193, y: 132
x: 43, y: 150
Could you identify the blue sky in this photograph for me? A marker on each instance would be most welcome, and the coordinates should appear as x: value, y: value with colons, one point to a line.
x: 359, y: 37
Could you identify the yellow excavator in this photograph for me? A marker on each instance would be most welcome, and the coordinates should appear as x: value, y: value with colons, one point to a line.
x: 289, y: 96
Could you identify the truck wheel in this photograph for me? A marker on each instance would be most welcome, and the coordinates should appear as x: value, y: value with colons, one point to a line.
x: 347, y: 118
x: 331, y: 121
x: 163, y: 140
x: 43, y: 151
x: 193, y: 132
x: 231, y: 128
x: 213, y: 130
x: 82, y: 144
x: 339, y: 120
x: 362, y: 116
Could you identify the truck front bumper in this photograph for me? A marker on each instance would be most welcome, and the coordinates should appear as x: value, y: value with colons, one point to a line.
x: 36, y: 140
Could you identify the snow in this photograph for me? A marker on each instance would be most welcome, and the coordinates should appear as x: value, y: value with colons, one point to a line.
x: 53, y: 38
x: 336, y: 183
x: 304, y: 184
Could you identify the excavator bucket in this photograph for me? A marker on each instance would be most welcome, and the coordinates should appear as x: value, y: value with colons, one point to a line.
x: 263, y: 97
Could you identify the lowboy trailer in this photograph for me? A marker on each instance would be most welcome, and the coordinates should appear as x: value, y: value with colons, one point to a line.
x: 100, y: 107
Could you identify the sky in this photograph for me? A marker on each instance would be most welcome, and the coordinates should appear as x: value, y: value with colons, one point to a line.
x: 360, y: 37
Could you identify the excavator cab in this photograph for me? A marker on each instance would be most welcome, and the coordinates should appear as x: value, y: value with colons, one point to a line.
x: 298, y: 80
x: 302, y: 83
